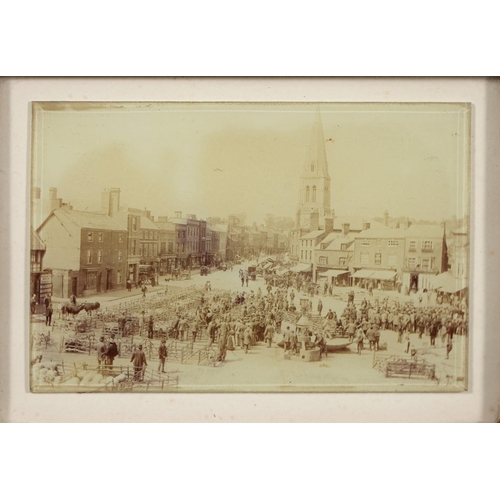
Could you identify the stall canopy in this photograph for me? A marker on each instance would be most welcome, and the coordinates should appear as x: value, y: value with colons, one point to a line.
x: 383, y: 275
x: 445, y: 282
x: 282, y: 271
x: 363, y: 273
x: 300, y: 268
x: 333, y: 273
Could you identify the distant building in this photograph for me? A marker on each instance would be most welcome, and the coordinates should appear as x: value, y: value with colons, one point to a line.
x: 129, y: 218
x: 379, y: 255
x: 219, y: 241
x: 167, y: 245
x: 426, y: 255
x: 86, y: 252
x: 36, y: 268
x: 411, y: 255
x: 461, y: 252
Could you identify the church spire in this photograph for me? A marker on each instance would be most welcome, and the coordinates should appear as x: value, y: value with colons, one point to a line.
x: 316, y: 163
x: 314, y: 193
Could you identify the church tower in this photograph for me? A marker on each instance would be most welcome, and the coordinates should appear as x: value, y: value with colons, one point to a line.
x: 314, y: 192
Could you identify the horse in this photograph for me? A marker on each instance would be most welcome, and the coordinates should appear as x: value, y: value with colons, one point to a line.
x: 91, y: 306
x: 68, y: 309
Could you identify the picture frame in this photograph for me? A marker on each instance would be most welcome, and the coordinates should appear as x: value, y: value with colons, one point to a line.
x: 291, y: 406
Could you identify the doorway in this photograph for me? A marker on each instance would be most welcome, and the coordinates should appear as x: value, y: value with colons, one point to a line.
x: 74, y: 286
x: 414, y: 282
x: 98, y: 282
x: 108, y: 279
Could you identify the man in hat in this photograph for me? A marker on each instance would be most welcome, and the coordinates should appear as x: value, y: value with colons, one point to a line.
x: 162, y: 355
x: 111, y: 351
x: 140, y: 363
x: 100, y: 349
x: 150, y: 327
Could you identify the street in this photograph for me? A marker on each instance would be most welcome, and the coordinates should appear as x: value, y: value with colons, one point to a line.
x: 268, y: 369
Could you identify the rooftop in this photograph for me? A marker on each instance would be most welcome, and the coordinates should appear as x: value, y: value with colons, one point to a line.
x: 147, y: 223
x: 90, y: 220
x: 424, y: 231
x: 36, y: 241
x: 313, y: 234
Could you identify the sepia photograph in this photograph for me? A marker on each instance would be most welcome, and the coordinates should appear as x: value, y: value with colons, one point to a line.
x: 249, y: 247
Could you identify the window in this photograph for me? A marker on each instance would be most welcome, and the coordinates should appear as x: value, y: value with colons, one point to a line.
x: 118, y: 277
x: 163, y: 247
x: 342, y: 261
x: 89, y: 256
x: 134, y: 246
x: 426, y: 246
x: 310, y: 255
x: 307, y: 194
x: 323, y: 260
x: 145, y: 250
x: 156, y: 236
x: 90, y: 237
x: 120, y: 238
x: 412, y: 262
x: 183, y: 247
x: 119, y: 255
x: 392, y: 260
x: 99, y: 237
x: 378, y: 258
x: 99, y: 256
x: 425, y: 264
x: 33, y: 257
x: 156, y: 249
x: 314, y: 194
x: 323, y: 246
x: 413, y: 246
x: 343, y: 246
x: 363, y: 256
x: 141, y: 250
x: 393, y: 243
x: 170, y: 247
x: 134, y: 223
x: 365, y: 243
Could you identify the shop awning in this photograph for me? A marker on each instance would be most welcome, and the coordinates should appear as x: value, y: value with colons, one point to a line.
x: 280, y: 272
x: 383, y: 275
x: 363, y: 273
x: 445, y: 282
x: 333, y: 273
x: 301, y: 268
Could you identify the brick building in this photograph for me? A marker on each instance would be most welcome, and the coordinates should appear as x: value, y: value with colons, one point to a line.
x: 86, y: 252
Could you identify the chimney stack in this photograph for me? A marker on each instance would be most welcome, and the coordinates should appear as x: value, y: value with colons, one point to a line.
x: 328, y: 225
x: 114, y: 202
x: 54, y: 201
x: 345, y: 229
x: 366, y: 225
x: 314, y: 220
x: 178, y: 214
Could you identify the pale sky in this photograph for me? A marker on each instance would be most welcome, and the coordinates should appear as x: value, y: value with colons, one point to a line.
x: 218, y: 159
